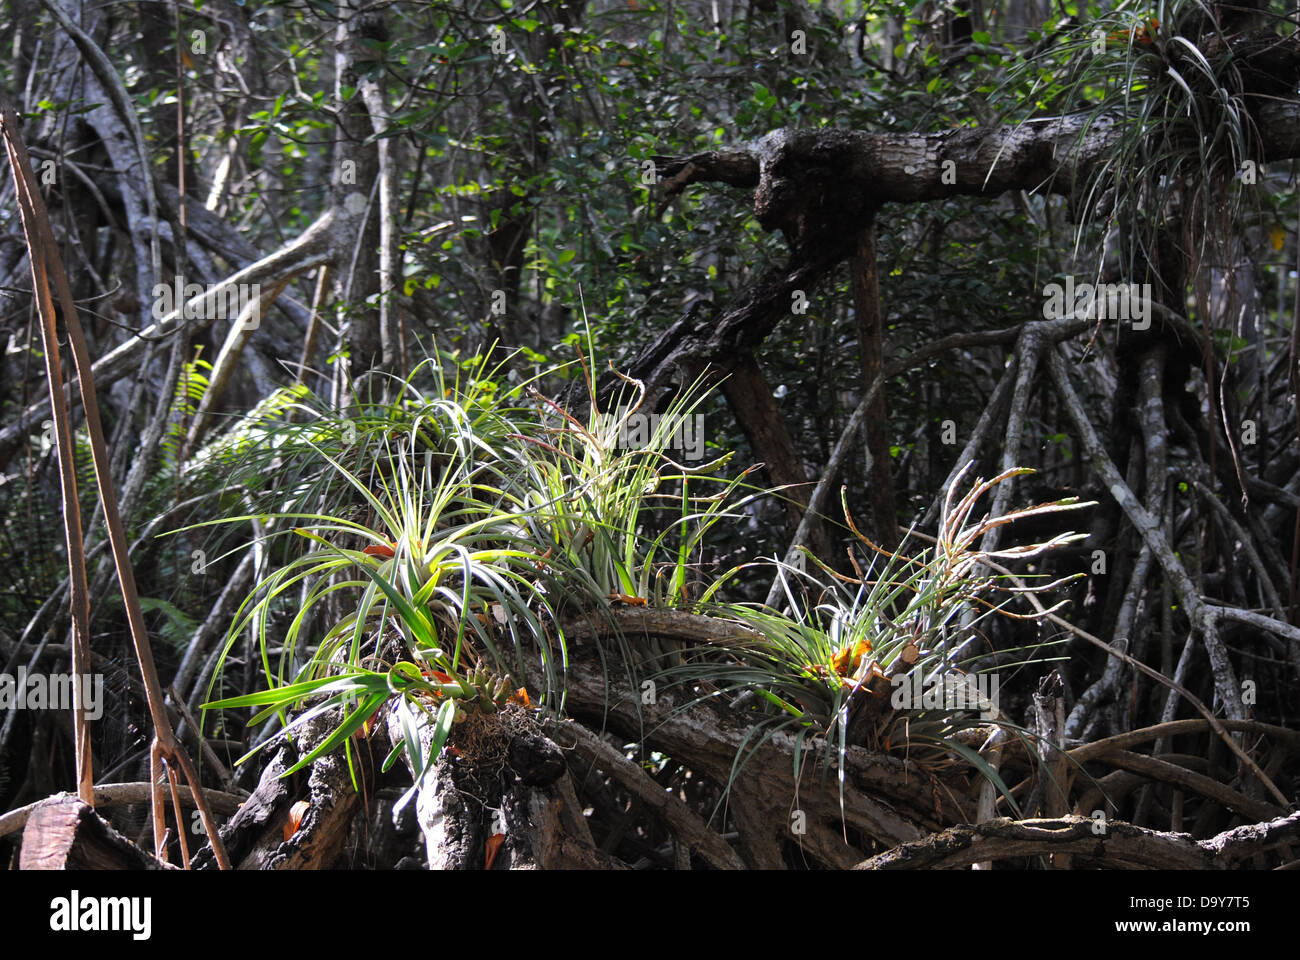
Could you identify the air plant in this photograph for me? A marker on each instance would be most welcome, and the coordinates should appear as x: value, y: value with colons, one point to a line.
x: 432, y: 557
x: 842, y: 650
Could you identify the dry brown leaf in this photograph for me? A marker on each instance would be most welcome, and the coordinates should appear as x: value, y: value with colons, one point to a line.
x: 493, y: 845
x: 296, y: 813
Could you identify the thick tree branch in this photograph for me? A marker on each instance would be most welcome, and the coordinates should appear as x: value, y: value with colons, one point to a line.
x: 1055, y: 154
x: 1121, y: 845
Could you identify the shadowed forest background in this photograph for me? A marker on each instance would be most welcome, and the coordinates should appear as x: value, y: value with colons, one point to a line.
x: 653, y: 435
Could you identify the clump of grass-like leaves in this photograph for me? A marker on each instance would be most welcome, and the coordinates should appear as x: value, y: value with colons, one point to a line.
x: 1166, y: 79
x: 430, y: 552
x: 432, y: 555
x: 838, y: 647
x: 460, y: 522
x: 594, y: 488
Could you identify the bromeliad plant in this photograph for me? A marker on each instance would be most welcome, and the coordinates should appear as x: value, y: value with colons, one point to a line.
x: 472, y: 522
x: 1178, y: 96
x: 473, y: 531
x: 436, y: 561
x: 623, y: 520
x: 593, y: 489
x: 840, y: 645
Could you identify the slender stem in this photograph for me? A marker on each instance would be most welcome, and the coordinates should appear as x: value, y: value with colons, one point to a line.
x: 42, y: 246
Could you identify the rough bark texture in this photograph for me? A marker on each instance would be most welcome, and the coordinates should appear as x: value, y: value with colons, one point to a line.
x: 255, y: 837
x: 63, y: 833
x: 1114, y: 844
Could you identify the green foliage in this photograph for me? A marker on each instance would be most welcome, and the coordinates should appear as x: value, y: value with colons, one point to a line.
x: 834, y: 639
x: 190, y: 387
x: 175, y: 625
x: 590, y: 494
x: 436, y: 551
x: 1186, y: 133
x: 473, y: 527
x: 463, y: 525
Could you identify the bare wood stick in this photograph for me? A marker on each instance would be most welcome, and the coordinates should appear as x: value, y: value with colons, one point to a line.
x: 1214, y: 722
x: 123, y: 794
x: 180, y: 819
x: 157, y: 816
x: 36, y: 223
x: 205, y: 748
x: 1174, y: 728
x: 1157, y: 768
x: 1225, y: 678
x: 1029, y: 350
x: 1122, y: 845
x: 690, y: 828
x: 665, y: 623
x: 31, y: 206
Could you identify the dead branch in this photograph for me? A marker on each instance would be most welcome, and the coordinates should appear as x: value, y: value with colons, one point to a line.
x: 1113, y: 844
